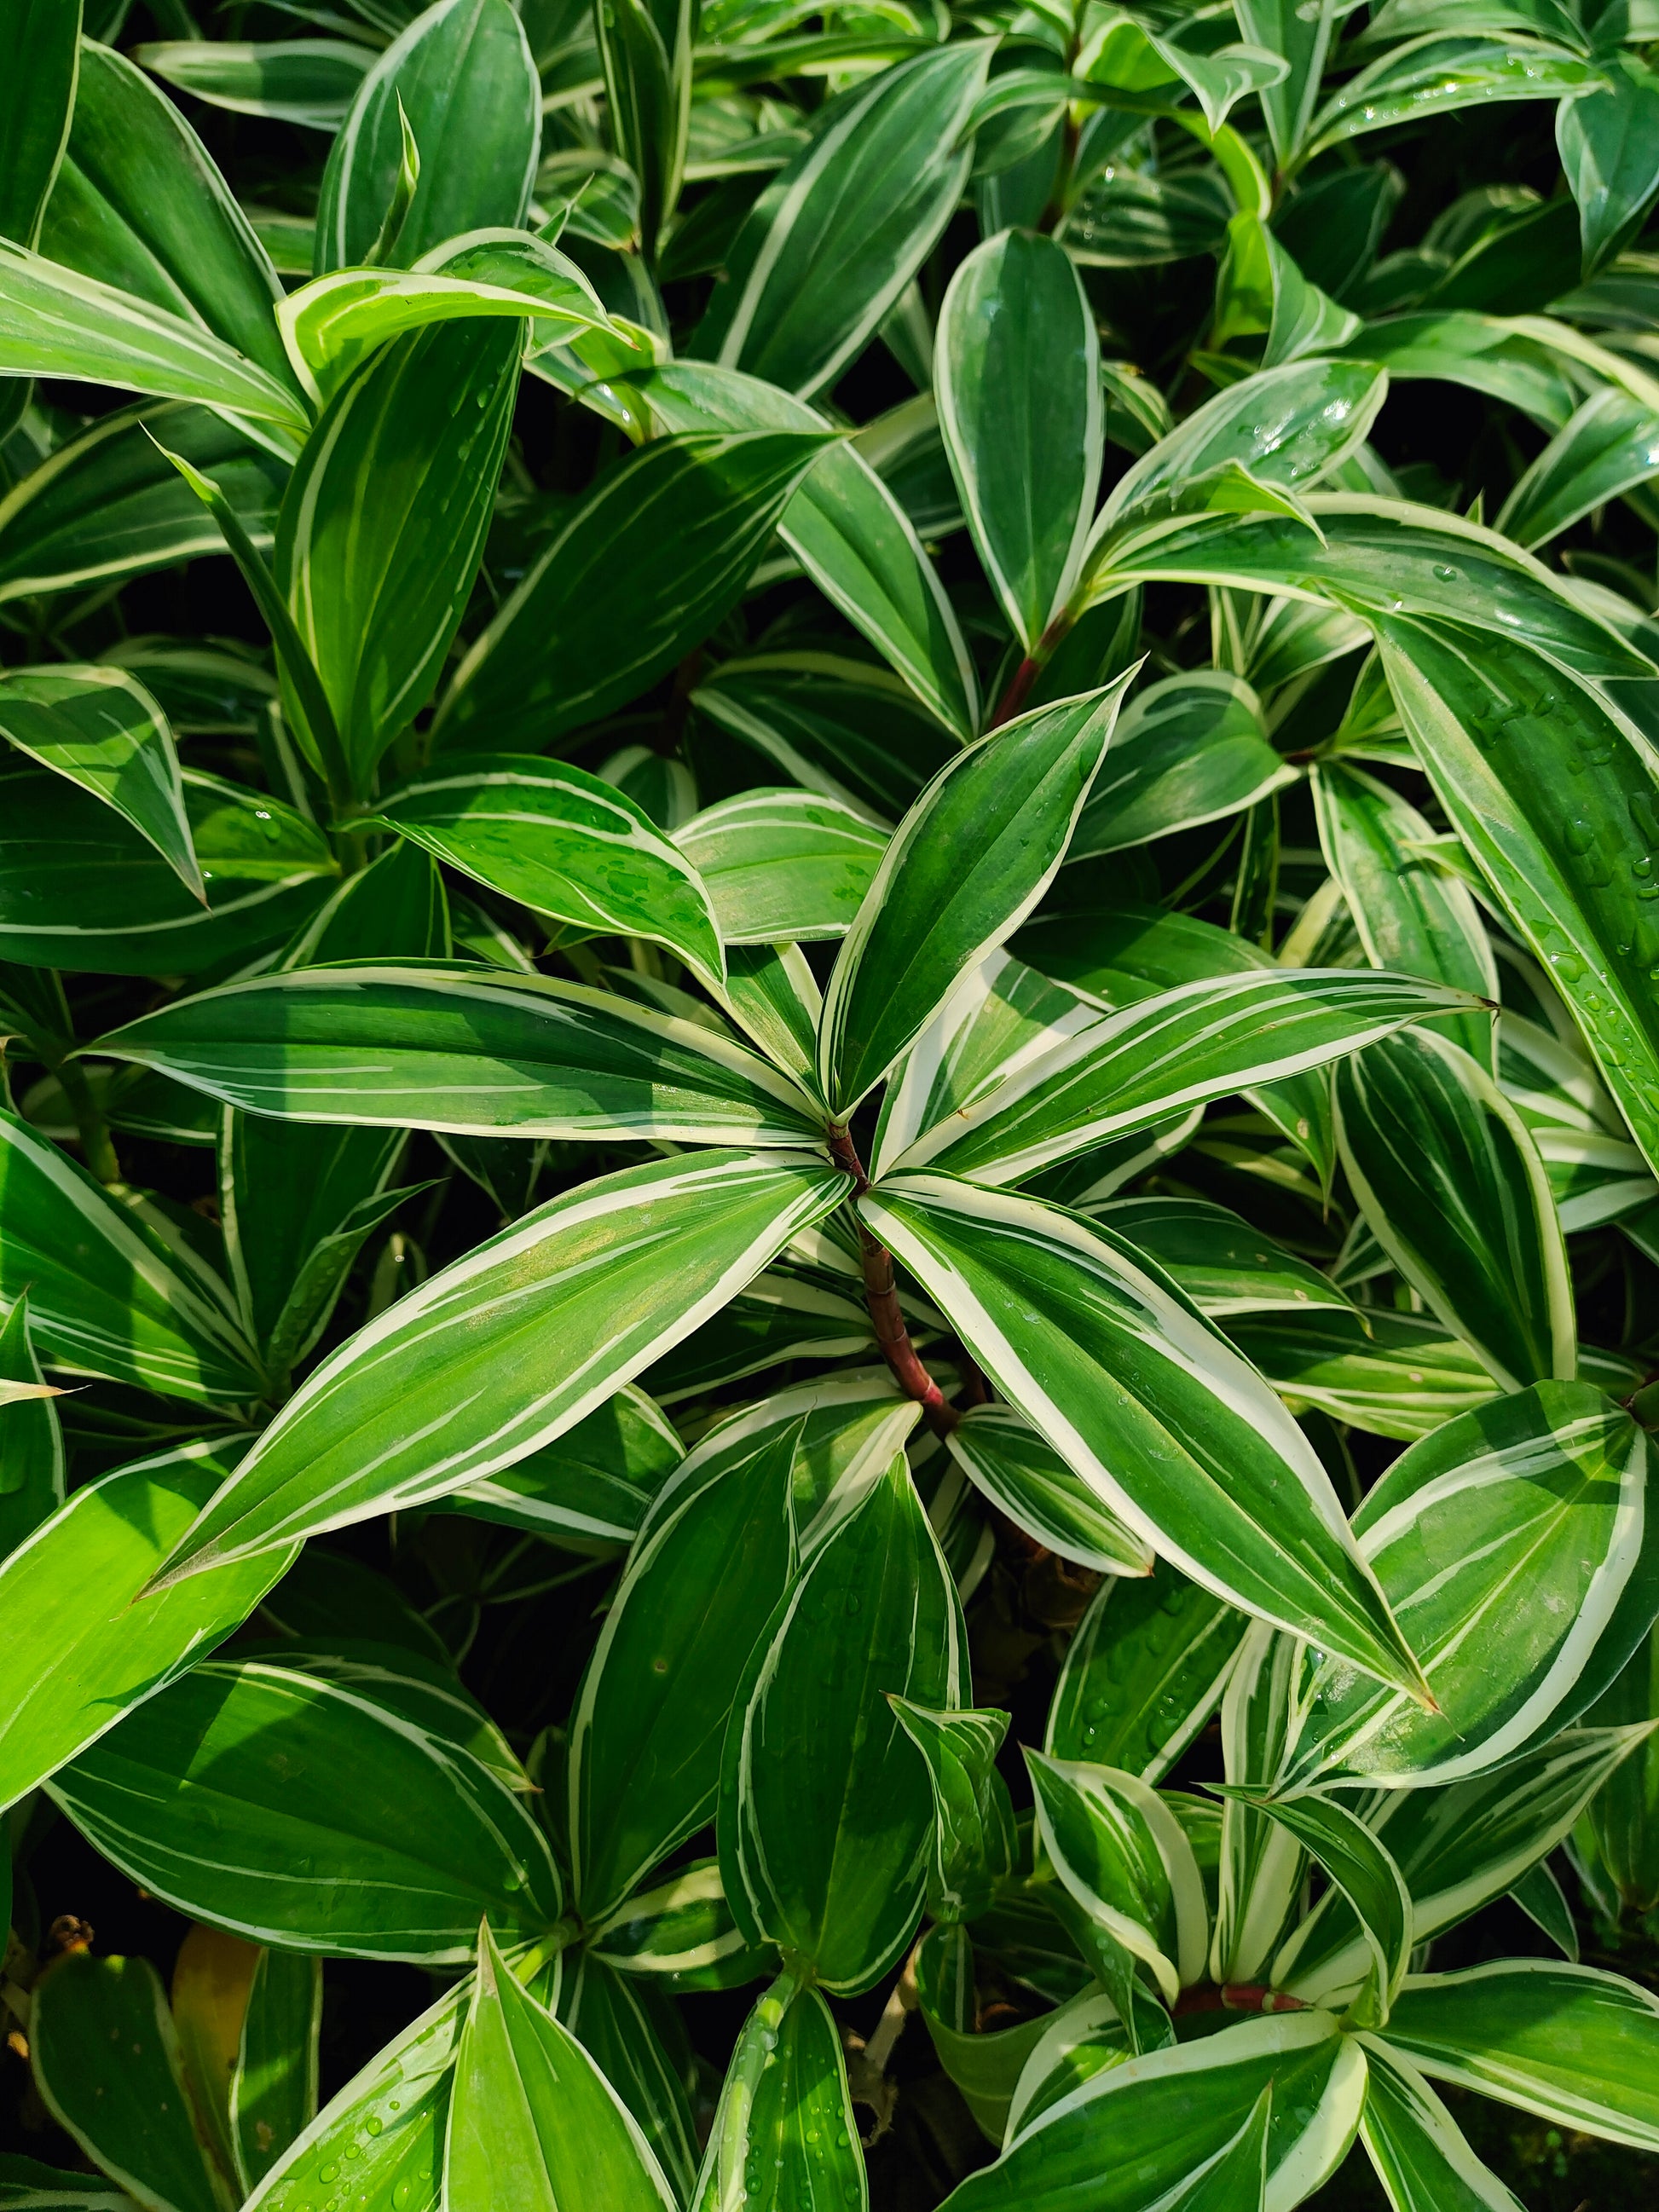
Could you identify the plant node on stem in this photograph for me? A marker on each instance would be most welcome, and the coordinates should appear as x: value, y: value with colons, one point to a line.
x: 881, y: 1296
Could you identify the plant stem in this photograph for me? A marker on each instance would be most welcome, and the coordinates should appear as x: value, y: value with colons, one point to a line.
x: 1236, y: 1997
x: 95, y: 1140
x: 1020, y: 683
x: 881, y: 1296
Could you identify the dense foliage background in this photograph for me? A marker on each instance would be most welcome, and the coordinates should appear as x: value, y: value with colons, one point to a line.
x: 1244, y: 421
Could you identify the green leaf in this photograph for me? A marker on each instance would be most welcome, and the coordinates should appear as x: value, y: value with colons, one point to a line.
x: 1451, y: 1186
x: 634, y: 2035
x: 1024, y: 1476
x: 567, y: 844
x: 771, y: 991
x: 1409, y: 915
x: 101, y: 729
x: 1303, y: 37
x: 273, y: 2091
x: 330, y: 326
x: 594, y: 1485
x: 646, y: 50
x: 1570, y: 2043
x: 965, y: 868
x: 31, y: 1439
x: 106, y: 1295
x: 848, y: 532
x: 139, y: 205
x: 392, y: 2115
x: 1488, y: 354
x: 825, y: 1820
x: 42, y: 58
x: 506, y: 1348
x: 844, y: 228
x: 1420, y: 2154
x: 462, y: 74
x: 1137, y: 2132
x: 974, y: 1839
x: 1541, y: 1492
x: 1224, y: 1266
x: 377, y: 585
x: 106, y: 2060
x: 782, y: 866
x: 1363, y: 1870
x: 1260, y: 292
x: 1017, y: 383
x: 1202, y: 1041
x: 1435, y: 76
x: 841, y: 728
x: 648, y: 563
x: 72, y: 1586
x: 1190, y: 749
x: 1622, y: 1824
x: 1606, y: 138
x: 292, y: 1810
x: 1143, y: 1673
x: 1262, y: 1866
x: 1121, y: 1854
x: 1459, y: 1847
x: 107, y: 504
x: 80, y: 888
x: 1391, y: 1374
x: 1555, y: 796
x: 310, y: 81
x: 680, y: 1933
x: 785, y: 2135
x: 56, y: 322
x: 1609, y: 447
x: 463, y: 1049
x: 1148, y: 1404
x: 534, y: 2126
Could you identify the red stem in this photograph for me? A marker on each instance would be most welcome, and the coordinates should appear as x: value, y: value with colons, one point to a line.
x: 1020, y: 683
x: 881, y: 1296
x: 1236, y: 1997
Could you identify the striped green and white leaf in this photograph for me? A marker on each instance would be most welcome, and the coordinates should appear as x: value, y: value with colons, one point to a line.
x: 382, y: 527
x: 80, y: 889
x: 510, y: 1346
x: 1154, y: 1059
x: 31, y: 1456
x: 965, y: 867
x: 785, y: 2135
x: 273, y: 2090
x: 1365, y: 1874
x: 1143, y: 1673
x: 1608, y: 447
x: 846, y: 530
x: 310, y: 81
x: 1392, y: 1374
x: 1187, y: 751
x: 1459, y: 1847
x: 1452, y: 1187
x: 772, y: 992
x: 1025, y: 1476
x: 34, y: 123
x: 418, y: 1686
x: 1379, y: 559
x: 1079, y: 2039
x: 330, y: 324
x: 1435, y: 75
x: 825, y: 1820
x: 461, y: 78
x: 1137, y: 2134
x: 294, y: 1811
x: 567, y: 844
x: 594, y: 1485
x: 780, y: 866
x: 109, y: 1293
x: 681, y: 1934
x: 837, y: 235
x: 1410, y: 917
x: 1261, y: 1865
x: 532, y: 2122
x: 648, y: 563
x: 781, y: 1314
x: 1120, y: 1851
x: 1556, y: 798
x: 1506, y: 1540
x: 1420, y: 2154
x: 1573, y: 2044
x: 1147, y: 1402
x: 71, y: 1589
x: 1017, y: 379
x: 104, y: 2055
x: 975, y: 1843
x: 405, y: 1045
x: 1224, y: 1265
x: 100, y: 728
x: 633, y: 2033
